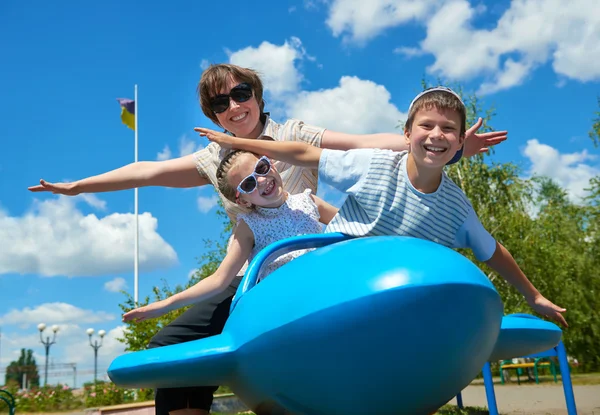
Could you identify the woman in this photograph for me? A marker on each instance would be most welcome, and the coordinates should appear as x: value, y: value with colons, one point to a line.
x: 232, y: 97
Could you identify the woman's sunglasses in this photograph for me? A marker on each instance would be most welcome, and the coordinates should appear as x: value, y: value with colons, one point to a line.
x: 250, y: 183
x: 239, y: 93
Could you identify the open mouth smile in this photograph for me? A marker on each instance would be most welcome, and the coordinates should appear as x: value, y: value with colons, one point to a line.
x: 239, y: 117
x: 269, y: 188
x: 434, y: 149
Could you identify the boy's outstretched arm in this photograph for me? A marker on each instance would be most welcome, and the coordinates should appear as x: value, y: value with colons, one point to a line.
x: 238, y: 252
x: 503, y: 263
x: 296, y: 153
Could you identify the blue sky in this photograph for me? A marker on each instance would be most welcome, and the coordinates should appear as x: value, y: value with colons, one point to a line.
x: 329, y: 63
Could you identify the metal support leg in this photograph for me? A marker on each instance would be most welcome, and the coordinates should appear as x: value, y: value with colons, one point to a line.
x: 566, y: 378
x: 459, y: 401
x: 489, y: 389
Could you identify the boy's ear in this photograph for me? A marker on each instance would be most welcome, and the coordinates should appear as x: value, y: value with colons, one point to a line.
x: 407, y: 137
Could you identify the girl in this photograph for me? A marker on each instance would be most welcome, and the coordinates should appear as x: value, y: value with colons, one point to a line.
x: 274, y: 214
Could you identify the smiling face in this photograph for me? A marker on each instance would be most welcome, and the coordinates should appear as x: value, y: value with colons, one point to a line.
x: 434, y: 136
x: 241, y: 118
x: 269, y: 191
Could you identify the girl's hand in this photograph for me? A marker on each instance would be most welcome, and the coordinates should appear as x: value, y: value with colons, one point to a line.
x: 68, y: 189
x: 146, y: 312
x: 480, y: 143
x: 222, y: 139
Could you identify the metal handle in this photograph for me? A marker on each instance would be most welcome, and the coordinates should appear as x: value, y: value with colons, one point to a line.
x: 278, y: 248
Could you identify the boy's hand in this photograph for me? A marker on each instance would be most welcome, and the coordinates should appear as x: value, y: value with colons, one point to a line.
x: 222, y: 139
x: 68, y: 189
x: 480, y: 143
x: 146, y: 312
x: 548, y: 309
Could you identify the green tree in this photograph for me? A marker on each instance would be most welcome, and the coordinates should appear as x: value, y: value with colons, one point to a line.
x: 24, y: 365
x: 595, y: 131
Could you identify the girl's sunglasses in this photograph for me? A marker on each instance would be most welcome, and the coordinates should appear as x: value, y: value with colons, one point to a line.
x: 250, y: 183
x: 239, y: 93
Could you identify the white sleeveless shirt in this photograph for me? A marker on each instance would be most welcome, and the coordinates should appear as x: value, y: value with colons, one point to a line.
x: 298, y: 215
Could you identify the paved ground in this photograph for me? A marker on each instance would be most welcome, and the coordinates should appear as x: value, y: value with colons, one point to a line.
x: 527, y: 399
x: 535, y: 399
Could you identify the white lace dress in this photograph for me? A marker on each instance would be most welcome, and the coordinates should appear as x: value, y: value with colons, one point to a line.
x: 298, y: 215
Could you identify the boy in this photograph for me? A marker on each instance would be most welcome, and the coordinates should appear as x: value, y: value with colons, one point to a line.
x: 406, y: 193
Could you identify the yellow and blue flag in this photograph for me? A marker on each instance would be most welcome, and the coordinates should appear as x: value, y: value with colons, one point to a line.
x: 127, y: 112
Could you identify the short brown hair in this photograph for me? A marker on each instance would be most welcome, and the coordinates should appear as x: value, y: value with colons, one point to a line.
x: 442, y: 100
x: 215, y: 78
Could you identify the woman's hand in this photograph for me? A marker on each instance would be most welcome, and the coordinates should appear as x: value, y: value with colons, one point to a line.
x: 480, y: 143
x: 69, y: 189
x: 222, y: 139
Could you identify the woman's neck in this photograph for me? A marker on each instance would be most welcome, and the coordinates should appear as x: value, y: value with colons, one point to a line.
x: 257, y: 130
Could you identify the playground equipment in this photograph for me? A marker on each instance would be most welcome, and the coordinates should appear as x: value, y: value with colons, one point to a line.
x: 9, y: 400
x: 519, y: 327
x: 341, y: 324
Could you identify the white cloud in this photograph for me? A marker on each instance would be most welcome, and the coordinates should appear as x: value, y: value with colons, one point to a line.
x: 55, y: 238
x: 528, y: 34
x: 275, y: 64
x: 165, y: 154
x: 570, y: 171
x: 205, y: 204
x: 359, y: 21
x: 53, y: 313
x: 513, y: 74
x: 354, y: 106
x: 186, y: 146
x: 204, y: 64
x: 116, y: 285
x: 409, y: 52
x: 93, y: 200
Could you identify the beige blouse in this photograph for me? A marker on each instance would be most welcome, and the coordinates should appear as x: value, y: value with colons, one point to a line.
x: 295, y: 179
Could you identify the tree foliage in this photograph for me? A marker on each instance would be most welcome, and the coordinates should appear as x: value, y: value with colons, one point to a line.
x: 595, y: 131
x: 24, y: 365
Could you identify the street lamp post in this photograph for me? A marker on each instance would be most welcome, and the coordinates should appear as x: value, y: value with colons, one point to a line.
x: 95, y: 345
x: 47, y: 343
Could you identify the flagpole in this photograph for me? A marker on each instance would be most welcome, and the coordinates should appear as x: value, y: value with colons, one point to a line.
x: 137, y: 247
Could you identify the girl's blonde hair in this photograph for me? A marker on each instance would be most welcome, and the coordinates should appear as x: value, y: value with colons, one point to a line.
x: 225, y: 166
